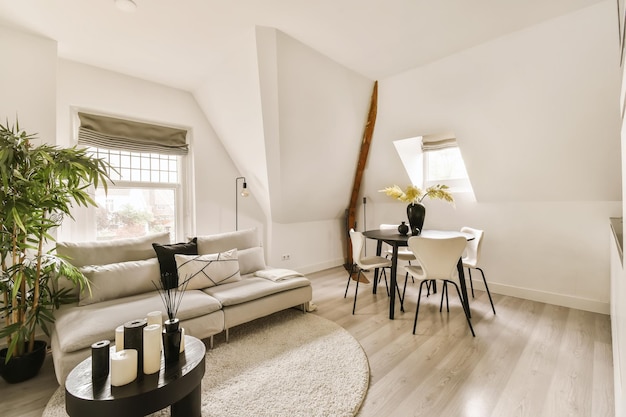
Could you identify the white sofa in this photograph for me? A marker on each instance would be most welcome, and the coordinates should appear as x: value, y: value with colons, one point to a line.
x: 122, y: 273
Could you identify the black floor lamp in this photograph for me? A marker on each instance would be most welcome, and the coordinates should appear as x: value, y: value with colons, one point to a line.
x: 244, y: 193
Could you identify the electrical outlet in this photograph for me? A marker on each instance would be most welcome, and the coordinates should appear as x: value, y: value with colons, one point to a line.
x: 286, y: 257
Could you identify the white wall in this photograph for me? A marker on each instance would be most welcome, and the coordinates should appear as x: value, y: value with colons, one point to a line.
x: 292, y: 120
x: 230, y: 100
x: 524, y: 109
x: 321, y: 110
x: 28, y: 82
x: 312, y: 246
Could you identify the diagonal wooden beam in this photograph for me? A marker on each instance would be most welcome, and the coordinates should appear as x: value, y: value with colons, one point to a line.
x: 356, y: 185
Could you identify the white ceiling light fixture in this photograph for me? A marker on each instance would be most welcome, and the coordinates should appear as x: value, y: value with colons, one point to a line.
x: 126, y: 5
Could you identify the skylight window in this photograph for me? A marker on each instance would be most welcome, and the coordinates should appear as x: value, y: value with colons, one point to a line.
x: 434, y: 159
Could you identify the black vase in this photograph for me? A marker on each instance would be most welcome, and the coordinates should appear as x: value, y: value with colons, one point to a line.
x: 416, y: 213
x: 171, y: 341
x: 24, y: 367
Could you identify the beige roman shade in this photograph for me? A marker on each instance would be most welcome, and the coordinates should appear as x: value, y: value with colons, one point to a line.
x: 438, y: 142
x: 112, y: 133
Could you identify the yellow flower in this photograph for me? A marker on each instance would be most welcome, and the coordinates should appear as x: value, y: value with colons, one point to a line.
x: 413, y: 194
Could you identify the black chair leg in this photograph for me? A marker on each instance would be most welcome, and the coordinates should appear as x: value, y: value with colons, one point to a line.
x: 401, y: 296
x: 469, y: 272
x: 406, y: 279
x: 349, y: 279
x: 487, y: 288
x: 444, y: 292
x: 463, y: 304
x: 386, y: 284
x: 356, y: 292
x: 417, y: 310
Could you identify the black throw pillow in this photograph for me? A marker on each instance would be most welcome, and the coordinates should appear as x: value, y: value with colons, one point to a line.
x: 167, y: 262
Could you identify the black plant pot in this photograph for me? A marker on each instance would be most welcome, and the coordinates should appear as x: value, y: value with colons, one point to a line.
x: 416, y: 213
x: 22, y: 368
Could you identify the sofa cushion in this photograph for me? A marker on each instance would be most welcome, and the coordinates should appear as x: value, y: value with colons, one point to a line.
x: 118, y: 280
x: 111, y: 251
x: 251, y: 260
x: 242, y: 239
x: 165, y: 254
x: 79, y: 327
x: 204, y: 271
x: 252, y: 288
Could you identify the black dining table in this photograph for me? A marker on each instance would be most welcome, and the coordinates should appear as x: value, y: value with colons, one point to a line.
x: 394, y: 239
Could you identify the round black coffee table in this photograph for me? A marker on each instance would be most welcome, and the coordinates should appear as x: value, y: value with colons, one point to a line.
x: 177, y: 385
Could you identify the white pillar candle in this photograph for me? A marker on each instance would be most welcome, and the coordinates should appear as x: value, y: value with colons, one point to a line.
x: 151, y: 349
x: 123, y: 367
x: 155, y: 317
x: 119, y: 338
x: 182, y: 339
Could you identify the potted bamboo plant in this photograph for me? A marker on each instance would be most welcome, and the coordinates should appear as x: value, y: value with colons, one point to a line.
x: 38, y: 187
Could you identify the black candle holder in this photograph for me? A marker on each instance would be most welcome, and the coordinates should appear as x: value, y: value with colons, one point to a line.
x: 100, y: 360
x: 133, y: 339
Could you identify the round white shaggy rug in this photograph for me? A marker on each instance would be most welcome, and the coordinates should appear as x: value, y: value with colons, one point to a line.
x: 287, y: 364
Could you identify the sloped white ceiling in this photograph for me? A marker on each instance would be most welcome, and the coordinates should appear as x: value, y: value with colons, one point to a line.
x: 178, y: 43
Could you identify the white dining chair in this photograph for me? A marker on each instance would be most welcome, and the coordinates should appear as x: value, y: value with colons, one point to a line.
x: 364, y: 263
x: 471, y: 258
x: 438, y: 258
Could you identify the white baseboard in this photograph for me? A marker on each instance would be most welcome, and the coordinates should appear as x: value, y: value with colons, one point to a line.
x: 578, y: 303
x: 309, y: 269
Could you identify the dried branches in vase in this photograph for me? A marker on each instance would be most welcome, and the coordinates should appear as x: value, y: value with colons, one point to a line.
x: 171, y: 292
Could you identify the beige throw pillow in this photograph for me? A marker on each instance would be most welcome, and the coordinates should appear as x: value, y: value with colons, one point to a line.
x: 111, y: 251
x: 251, y: 260
x: 208, y: 270
x: 220, y: 242
x: 123, y: 279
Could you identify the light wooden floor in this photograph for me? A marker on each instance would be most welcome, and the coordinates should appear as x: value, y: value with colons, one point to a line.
x: 531, y: 359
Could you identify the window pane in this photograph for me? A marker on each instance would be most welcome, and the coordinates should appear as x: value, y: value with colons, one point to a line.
x: 446, y: 164
x: 134, y: 175
x: 164, y: 168
x: 127, y: 212
x: 114, y: 160
x: 136, y: 209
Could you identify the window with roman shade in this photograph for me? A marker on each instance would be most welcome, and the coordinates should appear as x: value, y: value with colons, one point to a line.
x: 150, y: 190
x: 443, y: 163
